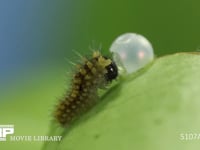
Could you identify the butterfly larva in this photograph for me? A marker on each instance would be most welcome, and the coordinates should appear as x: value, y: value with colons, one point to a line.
x: 93, y: 74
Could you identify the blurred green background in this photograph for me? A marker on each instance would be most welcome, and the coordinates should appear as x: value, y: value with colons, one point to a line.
x: 36, y: 38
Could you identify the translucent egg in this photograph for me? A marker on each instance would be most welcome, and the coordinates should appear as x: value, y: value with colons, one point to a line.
x: 131, y: 52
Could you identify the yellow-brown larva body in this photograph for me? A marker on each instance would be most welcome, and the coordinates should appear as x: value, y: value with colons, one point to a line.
x: 93, y: 74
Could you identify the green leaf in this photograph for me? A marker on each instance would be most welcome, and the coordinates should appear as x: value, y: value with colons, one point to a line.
x: 152, y: 109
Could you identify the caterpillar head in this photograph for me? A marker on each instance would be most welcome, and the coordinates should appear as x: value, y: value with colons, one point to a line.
x: 112, y: 71
x: 108, y: 64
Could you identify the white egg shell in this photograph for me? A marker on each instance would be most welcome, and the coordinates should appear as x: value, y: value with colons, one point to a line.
x: 131, y: 52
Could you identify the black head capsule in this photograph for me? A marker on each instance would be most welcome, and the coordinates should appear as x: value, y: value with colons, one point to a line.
x: 112, y: 71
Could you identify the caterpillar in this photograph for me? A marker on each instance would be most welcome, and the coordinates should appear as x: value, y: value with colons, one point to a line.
x: 93, y: 74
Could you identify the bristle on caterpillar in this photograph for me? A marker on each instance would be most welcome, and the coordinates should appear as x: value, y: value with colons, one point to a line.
x: 93, y: 74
